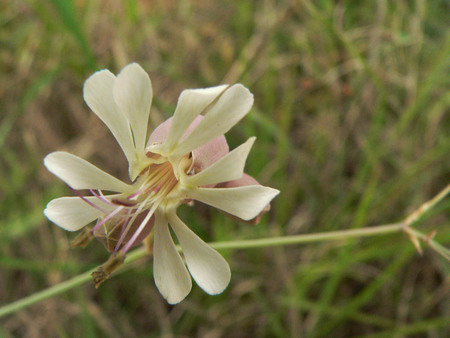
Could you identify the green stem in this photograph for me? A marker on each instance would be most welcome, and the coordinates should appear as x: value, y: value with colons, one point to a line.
x: 61, y: 287
x: 47, y: 293
x: 253, y: 243
x: 242, y: 244
x: 308, y: 238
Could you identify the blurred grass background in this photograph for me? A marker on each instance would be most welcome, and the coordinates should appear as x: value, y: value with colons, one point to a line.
x: 351, y: 116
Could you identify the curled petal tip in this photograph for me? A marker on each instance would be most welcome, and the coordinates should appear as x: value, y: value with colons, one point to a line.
x: 247, y: 180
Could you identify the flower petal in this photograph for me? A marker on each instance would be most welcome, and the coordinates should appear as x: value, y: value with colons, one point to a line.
x: 98, y: 94
x: 80, y: 174
x: 231, y: 107
x: 228, y: 168
x: 171, y: 276
x: 244, y: 202
x: 209, y: 269
x: 244, y: 181
x: 191, y: 103
x: 133, y: 94
x: 72, y: 213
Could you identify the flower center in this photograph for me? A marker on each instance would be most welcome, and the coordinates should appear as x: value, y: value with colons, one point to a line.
x: 131, y: 220
x: 155, y: 183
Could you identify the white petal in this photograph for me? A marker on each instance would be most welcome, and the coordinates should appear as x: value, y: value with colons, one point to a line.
x: 72, y: 213
x: 98, y: 94
x: 133, y: 94
x: 171, y: 276
x: 209, y: 269
x: 80, y: 174
x: 244, y: 202
x: 231, y: 107
x: 228, y: 168
x: 191, y: 103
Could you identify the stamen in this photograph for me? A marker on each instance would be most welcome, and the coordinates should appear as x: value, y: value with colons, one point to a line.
x: 125, y: 227
x: 166, y: 189
x: 141, y: 227
x: 153, y: 187
x: 128, y: 227
x: 107, y: 218
x: 100, y: 196
x: 87, y: 201
x: 156, y: 177
x: 135, y: 194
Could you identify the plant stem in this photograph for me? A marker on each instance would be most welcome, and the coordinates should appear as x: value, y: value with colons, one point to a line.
x: 308, y: 238
x: 47, y: 293
x: 242, y: 244
x: 257, y: 243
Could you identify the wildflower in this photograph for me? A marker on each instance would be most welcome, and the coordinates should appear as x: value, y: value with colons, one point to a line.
x: 186, y: 158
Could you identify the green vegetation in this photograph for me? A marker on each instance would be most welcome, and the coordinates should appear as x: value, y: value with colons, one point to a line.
x: 351, y: 116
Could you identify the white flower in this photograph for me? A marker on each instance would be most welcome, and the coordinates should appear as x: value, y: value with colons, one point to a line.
x: 186, y: 158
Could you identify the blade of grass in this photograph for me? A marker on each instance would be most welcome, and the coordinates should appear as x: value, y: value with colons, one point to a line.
x: 345, y: 255
x: 418, y: 328
x: 439, y: 67
x: 366, y: 295
x: 335, y: 311
x: 33, y: 90
x: 68, y: 14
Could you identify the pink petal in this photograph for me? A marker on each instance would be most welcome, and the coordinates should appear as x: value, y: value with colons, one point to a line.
x: 160, y: 133
x: 158, y: 136
x: 209, y: 153
x: 244, y: 181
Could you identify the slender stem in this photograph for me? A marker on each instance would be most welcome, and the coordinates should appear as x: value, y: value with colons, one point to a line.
x: 47, y: 293
x: 420, y: 211
x: 257, y: 243
x: 61, y: 287
x: 308, y: 238
x: 242, y: 244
